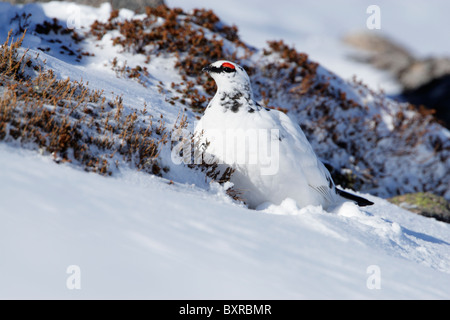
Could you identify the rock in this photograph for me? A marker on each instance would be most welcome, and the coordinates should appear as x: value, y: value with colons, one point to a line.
x: 425, y: 204
x: 424, y: 81
x: 435, y: 93
x: 382, y: 52
x: 135, y: 5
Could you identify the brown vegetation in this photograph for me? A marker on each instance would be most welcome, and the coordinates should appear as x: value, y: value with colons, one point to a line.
x: 177, y: 34
x: 71, y: 122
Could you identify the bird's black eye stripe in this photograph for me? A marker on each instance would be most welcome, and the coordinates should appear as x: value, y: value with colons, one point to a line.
x: 221, y: 69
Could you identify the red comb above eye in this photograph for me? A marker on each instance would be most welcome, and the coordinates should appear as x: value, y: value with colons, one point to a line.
x: 228, y: 65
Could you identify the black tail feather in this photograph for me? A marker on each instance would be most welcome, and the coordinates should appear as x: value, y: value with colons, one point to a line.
x: 359, y: 200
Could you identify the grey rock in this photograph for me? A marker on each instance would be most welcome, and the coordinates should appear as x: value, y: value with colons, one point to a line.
x: 424, y: 81
x: 381, y: 52
x: 384, y: 53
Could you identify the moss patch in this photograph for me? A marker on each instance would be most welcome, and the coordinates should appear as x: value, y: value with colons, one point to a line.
x: 426, y: 204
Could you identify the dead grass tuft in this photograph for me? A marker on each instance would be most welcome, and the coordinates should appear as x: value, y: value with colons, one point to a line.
x: 74, y: 124
x: 10, y: 62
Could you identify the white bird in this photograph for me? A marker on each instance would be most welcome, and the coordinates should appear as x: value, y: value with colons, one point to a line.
x: 271, y: 156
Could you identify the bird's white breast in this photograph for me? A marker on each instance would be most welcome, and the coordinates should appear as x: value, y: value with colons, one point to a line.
x: 270, y: 154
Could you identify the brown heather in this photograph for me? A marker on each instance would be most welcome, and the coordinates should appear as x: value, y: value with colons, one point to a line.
x: 71, y: 122
x: 179, y: 35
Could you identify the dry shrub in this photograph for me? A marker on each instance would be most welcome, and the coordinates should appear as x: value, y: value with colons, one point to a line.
x: 182, y: 35
x: 10, y: 63
x: 71, y: 122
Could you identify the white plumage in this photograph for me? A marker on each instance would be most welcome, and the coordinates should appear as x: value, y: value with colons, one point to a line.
x: 271, y: 155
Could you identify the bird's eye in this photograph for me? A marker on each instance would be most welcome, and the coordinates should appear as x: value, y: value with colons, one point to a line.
x: 228, y: 67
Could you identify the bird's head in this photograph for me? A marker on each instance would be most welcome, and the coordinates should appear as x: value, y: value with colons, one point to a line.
x: 228, y: 76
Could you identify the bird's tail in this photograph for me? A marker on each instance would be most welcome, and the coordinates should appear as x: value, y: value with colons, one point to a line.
x: 359, y: 200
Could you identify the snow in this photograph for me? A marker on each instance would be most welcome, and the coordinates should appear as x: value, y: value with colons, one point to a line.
x: 134, y: 235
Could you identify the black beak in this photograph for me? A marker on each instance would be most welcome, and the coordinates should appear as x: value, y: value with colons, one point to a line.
x: 207, y: 68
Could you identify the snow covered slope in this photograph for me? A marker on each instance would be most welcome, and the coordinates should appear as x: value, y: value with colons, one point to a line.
x: 135, y: 235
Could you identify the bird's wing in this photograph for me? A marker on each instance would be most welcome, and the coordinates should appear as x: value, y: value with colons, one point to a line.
x: 317, y: 176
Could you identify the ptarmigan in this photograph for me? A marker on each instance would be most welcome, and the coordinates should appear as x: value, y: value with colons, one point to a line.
x: 269, y: 152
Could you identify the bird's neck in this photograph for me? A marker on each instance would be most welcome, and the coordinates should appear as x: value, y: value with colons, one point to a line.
x: 234, y: 98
